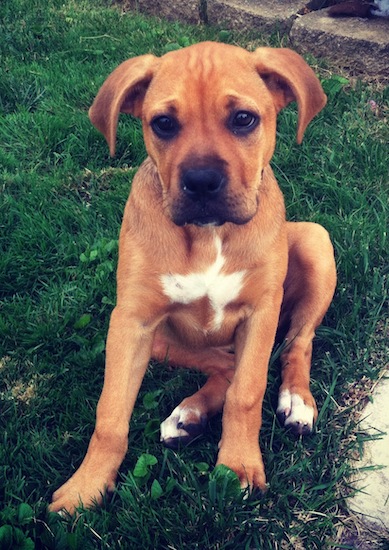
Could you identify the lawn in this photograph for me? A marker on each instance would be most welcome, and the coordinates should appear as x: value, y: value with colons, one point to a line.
x: 61, y: 202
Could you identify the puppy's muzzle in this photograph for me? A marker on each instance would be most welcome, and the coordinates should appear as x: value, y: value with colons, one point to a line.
x: 201, y: 185
x: 202, y: 200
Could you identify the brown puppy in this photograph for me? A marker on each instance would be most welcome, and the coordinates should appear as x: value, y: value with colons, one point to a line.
x: 207, y: 262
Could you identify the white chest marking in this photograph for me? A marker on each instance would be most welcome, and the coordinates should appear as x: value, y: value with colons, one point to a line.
x: 220, y: 288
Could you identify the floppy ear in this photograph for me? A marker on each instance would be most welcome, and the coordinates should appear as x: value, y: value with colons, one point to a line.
x: 122, y: 92
x: 289, y: 78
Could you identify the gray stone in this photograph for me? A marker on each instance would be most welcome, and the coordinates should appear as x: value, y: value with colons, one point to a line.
x: 372, y: 477
x: 359, y: 46
x: 263, y: 16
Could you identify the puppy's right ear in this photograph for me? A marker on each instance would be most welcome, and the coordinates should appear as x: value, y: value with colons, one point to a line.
x: 122, y: 92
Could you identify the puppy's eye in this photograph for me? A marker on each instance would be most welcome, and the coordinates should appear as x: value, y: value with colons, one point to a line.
x: 165, y: 127
x: 243, y: 122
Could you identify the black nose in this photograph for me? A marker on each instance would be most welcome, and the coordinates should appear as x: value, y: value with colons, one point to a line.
x: 202, y: 183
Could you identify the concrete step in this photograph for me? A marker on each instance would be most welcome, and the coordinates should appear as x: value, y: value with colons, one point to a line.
x: 264, y: 16
x: 370, y: 504
x: 360, y: 47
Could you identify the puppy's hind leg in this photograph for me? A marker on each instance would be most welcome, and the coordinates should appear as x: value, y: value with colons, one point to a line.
x: 309, y: 288
x: 189, y: 418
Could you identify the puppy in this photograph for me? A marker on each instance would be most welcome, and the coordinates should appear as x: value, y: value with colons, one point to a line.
x: 208, y: 266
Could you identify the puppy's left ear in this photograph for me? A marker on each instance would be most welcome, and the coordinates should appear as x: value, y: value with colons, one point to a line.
x: 289, y: 78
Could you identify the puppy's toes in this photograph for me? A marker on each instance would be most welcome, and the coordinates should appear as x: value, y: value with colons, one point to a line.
x: 182, y: 426
x: 296, y: 413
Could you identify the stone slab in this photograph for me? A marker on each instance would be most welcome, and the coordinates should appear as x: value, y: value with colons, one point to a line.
x: 372, y: 500
x: 263, y: 16
x: 359, y: 46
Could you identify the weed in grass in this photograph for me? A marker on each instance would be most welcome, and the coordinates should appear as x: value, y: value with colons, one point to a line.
x: 61, y: 201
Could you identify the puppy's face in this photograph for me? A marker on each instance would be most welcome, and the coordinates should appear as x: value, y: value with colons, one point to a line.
x: 209, y: 126
x: 209, y: 118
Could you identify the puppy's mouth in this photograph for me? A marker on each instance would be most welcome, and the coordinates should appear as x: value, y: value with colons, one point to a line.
x: 186, y: 216
x: 208, y: 222
x: 203, y: 221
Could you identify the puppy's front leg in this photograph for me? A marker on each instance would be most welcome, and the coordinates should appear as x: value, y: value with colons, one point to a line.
x: 128, y: 352
x: 242, y: 416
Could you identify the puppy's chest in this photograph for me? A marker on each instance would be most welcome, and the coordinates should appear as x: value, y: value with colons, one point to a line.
x: 218, y: 288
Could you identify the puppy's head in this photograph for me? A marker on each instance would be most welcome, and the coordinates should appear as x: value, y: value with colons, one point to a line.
x: 209, y: 121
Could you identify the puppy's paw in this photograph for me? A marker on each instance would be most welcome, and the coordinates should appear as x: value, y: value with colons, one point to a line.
x: 296, y: 412
x: 80, y: 491
x: 249, y: 469
x: 182, y: 426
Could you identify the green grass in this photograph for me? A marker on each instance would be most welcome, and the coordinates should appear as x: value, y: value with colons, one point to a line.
x: 61, y: 200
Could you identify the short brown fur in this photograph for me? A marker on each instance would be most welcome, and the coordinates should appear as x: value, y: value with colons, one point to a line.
x: 288, y: 267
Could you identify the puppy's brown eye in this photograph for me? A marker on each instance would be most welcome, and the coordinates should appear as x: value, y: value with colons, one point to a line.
x: 165, y: 127
x: 243, y: 122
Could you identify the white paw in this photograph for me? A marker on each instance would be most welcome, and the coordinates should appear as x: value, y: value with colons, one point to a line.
x: 294, y: 413
x: 183, y: 425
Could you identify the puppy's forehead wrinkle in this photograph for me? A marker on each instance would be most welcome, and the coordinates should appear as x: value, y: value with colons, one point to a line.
x: 204, y: 67
x: 198, y: 64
